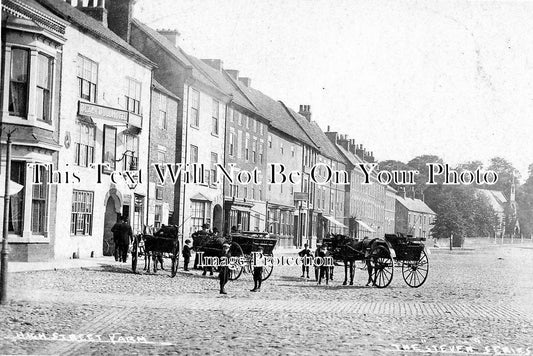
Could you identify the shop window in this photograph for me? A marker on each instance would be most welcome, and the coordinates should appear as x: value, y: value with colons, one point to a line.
x: 16, y: 203
x: 39, y: 203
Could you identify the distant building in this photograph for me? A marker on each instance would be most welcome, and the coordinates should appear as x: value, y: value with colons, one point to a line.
x: 498, y: 202
x: 413, y: 217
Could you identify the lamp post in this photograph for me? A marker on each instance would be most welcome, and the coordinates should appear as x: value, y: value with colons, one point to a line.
x: 7, y: 198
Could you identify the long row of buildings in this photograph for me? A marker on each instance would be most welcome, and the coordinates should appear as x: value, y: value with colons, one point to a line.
x: 93, y: 98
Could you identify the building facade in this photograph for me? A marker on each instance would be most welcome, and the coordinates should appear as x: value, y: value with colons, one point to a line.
x: 32, y: 53
x: 163, y: 128
x: 104, y: 132
x: 413, y: 217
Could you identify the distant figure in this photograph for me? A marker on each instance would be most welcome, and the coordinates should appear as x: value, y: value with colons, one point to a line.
x: 324, y: 271
x: 124, y: 235
x: 186, y: 255
x: 306, y: 252
x: 258, y: 274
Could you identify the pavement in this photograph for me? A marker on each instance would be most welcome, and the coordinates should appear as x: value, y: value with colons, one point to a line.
x: 473, y: 302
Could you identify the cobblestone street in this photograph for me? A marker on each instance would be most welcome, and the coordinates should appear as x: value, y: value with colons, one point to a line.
x: 474, y: 301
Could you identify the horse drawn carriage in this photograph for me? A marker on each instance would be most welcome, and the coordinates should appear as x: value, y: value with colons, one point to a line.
x: 380, y: 256
x: 165, y: 240
x: 242, y: 244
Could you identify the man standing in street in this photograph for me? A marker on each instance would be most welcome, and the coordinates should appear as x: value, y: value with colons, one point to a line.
x: 306, y: 252
x: 124, y: 234
x: 224, y: 270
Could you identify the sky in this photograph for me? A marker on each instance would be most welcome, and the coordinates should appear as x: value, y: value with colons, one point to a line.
x: 403, y: 78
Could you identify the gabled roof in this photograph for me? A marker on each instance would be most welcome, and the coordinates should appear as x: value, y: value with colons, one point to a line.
x: 415, y: 205
x: 495, y: 198
x: 85, y: 22
x: 276, y: 113
x: 315, y: 133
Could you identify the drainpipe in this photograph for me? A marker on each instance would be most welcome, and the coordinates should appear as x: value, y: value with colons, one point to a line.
x: 149, y: 155
x: 224, y: 164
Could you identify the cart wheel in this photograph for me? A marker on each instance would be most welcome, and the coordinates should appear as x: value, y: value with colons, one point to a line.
x: 415, y: 272
x: 235, y: 273
x: 267, y: 271
x: 382, y: 266
x: 134, y: 254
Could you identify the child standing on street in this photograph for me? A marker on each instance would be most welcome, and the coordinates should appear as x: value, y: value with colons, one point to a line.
x: 186, y: 255
x: 258, y: 274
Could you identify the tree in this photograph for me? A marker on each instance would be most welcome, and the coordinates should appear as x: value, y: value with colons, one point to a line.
x: 524, y: 201
x: 505, y: 171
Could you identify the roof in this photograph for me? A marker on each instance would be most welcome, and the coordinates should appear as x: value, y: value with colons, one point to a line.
x: 96, y: 28
x: 275, y: 111
x: 159, y: 87
x: 495, y: 198
x: 415, y: 205
x: 315, y: 133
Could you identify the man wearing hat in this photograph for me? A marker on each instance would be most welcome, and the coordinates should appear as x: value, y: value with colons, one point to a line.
x: 224, y: 270
x: 186, y: 252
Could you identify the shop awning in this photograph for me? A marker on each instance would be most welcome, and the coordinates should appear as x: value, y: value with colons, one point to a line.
x: 329, y: 218
x: 14, y: 187
x: 365, y: 226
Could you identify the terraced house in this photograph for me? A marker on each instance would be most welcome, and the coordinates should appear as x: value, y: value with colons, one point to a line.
x: 32, y: 53
x: 104, y: 127
x: 200, y: 127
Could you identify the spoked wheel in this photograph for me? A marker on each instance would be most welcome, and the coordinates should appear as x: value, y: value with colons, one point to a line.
x: 267, y: 271
x: 382, y: 266
x: 235, y: 273
x: 134, y: 254
x: 415, y: 272
x: 236, y: 251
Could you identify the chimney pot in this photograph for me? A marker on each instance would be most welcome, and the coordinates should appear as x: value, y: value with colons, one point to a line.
x: 328, y: 128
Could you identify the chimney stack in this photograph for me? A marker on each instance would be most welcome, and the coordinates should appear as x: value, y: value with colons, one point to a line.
x: 332, y: 136
x: 359, y: 151
x: 343, y: 141
x: 328, y: 128
x: 233, y: 73
x: 305, y: 111
x: 246, y: 81
x: 95, y: 9
x: 119, y: 15
x: 216, y: 64
x: 171, y: 35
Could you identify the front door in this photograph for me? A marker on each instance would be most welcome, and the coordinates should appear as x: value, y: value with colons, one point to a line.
x: 111, y: 217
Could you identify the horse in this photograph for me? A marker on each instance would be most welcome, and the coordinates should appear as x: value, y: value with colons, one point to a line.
x: 350, y: 250
x: 151, y: 245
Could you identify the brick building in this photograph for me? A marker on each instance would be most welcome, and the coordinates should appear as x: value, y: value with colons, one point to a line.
x: 413, y: 217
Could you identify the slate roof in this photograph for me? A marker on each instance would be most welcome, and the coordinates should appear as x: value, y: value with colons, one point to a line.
x: 495, y: 198
x: 178, y: 54
x: 85, y: 22
x: 415, y: 205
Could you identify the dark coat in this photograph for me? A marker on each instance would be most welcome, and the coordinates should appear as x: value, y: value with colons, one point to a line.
x: 122, y: 233
x: 186, y: 251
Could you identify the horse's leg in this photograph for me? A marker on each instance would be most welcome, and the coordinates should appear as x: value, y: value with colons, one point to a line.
x: 345, y: 272
x: 369, y: 269
x: 154, y: 261
x: 352, y: 271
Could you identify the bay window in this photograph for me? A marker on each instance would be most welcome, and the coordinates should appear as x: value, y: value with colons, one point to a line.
x: 44, y: 86
x: 18, y: 86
